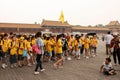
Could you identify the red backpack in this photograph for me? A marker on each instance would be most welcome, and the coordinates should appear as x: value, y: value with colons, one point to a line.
x: 35, y: 49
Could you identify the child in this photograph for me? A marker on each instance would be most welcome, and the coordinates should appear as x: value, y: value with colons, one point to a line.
x: 107, y: 68
x: 13, y: 52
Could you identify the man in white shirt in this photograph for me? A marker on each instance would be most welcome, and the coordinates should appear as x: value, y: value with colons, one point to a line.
x: 108, y: 39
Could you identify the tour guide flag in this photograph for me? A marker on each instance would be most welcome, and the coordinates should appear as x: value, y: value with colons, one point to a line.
x: 61, y: 17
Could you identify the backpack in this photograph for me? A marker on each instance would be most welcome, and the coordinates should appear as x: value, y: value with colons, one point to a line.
x: 65, y: 44
x: 35, y: 49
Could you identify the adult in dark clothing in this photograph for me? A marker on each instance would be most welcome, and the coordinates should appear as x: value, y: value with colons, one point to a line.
x: 116, y: 49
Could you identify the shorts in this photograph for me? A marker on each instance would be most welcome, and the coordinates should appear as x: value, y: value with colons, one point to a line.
x: 106, y: 72
x: 20, y: 57
x: 60, y: 55
x: 3, y: 54
x: 13, y: 59
x: 49, y: 54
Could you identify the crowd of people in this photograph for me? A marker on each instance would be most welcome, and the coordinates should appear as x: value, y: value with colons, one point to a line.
x: 21, y: 50
x: 28, y: 50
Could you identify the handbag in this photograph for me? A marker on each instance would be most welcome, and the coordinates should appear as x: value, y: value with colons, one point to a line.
x: 25, y: 53
x: 35, y: 49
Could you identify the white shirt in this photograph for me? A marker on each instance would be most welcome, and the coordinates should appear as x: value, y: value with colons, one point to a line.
x: 40, y: 44
x: 107, y: 67
x: 108, y: 38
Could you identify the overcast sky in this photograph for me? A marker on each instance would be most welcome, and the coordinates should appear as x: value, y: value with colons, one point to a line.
x: 76, y: 12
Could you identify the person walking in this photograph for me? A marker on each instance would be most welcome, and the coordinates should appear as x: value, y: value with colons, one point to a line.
x: 116, y: 49
x: 108, y: 39
x: 40, y: 45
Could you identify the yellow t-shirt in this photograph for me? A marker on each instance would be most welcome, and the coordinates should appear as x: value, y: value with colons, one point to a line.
x: 21, y: 47
x: 82, y: 40
x: 28, y: 45
x: 72, y: 41
x: 25, y: 44
x: 86, y: 44
x: 49, y: 46
x: 33, y: 41
x: 5, y: 45
x: 13, y: 48
x: 76, y: 45
x: 59, y: 47
x: 95, y: 42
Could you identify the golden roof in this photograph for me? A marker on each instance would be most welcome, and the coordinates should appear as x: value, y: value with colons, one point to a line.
x: 54, y: 23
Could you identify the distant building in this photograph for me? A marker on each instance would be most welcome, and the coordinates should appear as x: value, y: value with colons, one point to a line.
x: 56, y: 26
x: 85, y: 29
x: 19, y: 28
x: 114, y: 26
x: 48, y: 26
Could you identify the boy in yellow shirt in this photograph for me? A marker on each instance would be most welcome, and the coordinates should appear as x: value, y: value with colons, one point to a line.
x: 95, y: 43
x: 82, y: 43
x: 4, y: 46
x: 49, y: 45
x: 59, y: 52
x: 86, y: 46
x: 77, y: 46
x: 13, y: 52
x: 21, y: 47
x: 29, y: 49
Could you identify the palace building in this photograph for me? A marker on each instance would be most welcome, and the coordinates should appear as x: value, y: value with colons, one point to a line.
x: 57, y: 27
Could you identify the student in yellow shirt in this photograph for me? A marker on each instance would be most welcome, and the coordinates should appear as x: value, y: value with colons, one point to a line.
x: 21, y: 47
x: 72, y: 40
x: 13, y: 52
x: 95, y: 43
x: 4, y: 46
x: 29, y: 49
x: 59, y: 52
x: 77, y: 46
x: 91, y: 46
x: 45, y: 48
x: 70, y: 48
x: 82, y: 43
x: 33, y: 42
x: 86, y: 46
x: 53, y: 40
x: 49, y: 45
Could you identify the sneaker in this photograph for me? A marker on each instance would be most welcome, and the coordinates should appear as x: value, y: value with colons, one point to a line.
x: 20, y: 65
x: 42, y: 70
x: 15, y: 65
x: 93, y: 55
x: 34, y: 63
x: 87, y: 57
x: 29, y: 65
x: 3, y: 66
x: 69, y: 58
x: 36, y: 72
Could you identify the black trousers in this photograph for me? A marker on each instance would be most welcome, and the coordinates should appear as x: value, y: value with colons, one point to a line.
x: 82, y: 49
x: 116, y: 55
x: 39, y: 62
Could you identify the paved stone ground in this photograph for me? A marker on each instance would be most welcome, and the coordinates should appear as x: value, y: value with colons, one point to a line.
x: 84, y: 69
